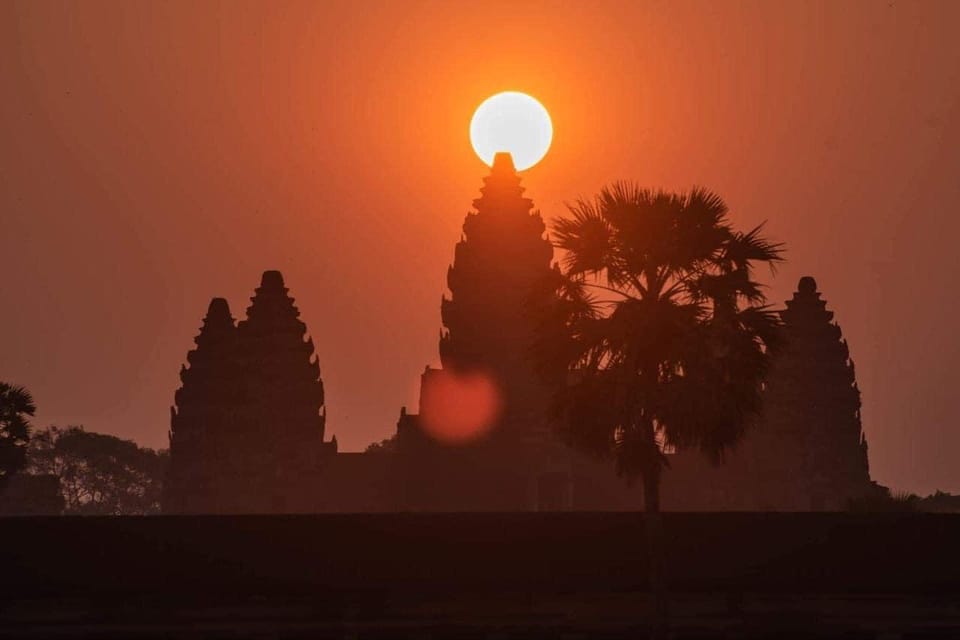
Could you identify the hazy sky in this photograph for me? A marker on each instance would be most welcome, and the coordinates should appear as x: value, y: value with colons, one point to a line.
x: 153, y: 155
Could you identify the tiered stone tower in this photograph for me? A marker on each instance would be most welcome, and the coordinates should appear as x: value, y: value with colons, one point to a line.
x: 282, y: 416
x: 247, y: 431
x: 499, y: 260
x: 201, y: 422
x: 500, y: 263
x: 808, y: 451
x: 813, y: 396
x: 813, y: 403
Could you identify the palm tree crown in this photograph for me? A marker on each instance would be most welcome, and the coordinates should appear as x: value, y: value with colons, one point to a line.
x: 16, y: 404
x: 660, y: 324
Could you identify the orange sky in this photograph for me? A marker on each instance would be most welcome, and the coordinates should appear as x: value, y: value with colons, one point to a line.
x: 154, y: 155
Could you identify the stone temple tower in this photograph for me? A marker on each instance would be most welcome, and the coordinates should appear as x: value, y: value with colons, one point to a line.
x: 500, y: 263
x: 281, y: 421
x: 247, y: 431
x: 810, y: 452
x: 201, y: 424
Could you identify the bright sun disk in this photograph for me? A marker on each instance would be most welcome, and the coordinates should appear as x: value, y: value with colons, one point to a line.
x: 514, y: 122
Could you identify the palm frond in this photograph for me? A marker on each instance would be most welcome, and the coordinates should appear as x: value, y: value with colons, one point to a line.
x: 706, y: 207
x: 726, y: 286
x: 585, y: 238
x: 16, y: 399
x: 749, y: 247
x: 763, y: 324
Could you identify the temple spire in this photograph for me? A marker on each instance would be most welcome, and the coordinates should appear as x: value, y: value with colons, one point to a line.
x: 500, y: 258
x: 501, y: 193
x: 811, y: 440
x: 283, y: 412
x: 248, y: 426
x: 489, y: 317
x: 201, y: 422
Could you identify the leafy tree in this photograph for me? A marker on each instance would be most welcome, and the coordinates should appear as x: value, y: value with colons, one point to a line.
x: 99, y: 474
x: 662, y: 328
x: 16, y: 406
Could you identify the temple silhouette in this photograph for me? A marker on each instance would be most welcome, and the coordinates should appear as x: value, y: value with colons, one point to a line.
x: 489, y: 326
x: 247, y: 430
x: 809, y: 451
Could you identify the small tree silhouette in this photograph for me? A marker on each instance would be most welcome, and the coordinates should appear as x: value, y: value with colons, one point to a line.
x: 16, y: 406
x: 663, y: 331
x: 99, y: 474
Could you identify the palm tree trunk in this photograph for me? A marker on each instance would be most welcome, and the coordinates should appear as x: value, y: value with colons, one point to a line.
x: 653, y: 521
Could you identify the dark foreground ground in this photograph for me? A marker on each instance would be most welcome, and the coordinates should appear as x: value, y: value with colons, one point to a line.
x: 479, y: 576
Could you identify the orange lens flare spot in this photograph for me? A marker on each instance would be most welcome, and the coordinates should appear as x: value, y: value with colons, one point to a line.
x: 459, y: 408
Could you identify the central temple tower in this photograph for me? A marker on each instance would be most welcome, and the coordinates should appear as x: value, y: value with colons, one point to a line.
x: 501, y: 263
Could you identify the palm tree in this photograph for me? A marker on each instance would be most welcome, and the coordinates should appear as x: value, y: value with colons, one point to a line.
x: 16, y: 404
x: 662, y: 329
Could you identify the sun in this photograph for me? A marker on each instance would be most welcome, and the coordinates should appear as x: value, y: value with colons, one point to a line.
x: 514, y: 122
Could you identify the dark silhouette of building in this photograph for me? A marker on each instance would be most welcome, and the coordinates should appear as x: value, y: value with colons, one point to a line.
x: 811, y: 440
x: 489, y: 323
x: 282, y: 421
x: 202, y: 420
x: 247, y: 434
x: 247, y: 431
x: 808, y: 451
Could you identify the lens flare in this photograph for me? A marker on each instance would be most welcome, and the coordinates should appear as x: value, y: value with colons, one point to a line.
x: 458, y: 408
